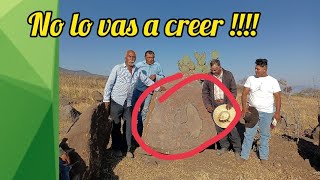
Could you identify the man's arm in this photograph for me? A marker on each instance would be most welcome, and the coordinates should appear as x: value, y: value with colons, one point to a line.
x: 109, y: 85
x: 244, y: 100
x: 233, y: 86
x: 206, y: 96
x: 160, y: 73
x: 148, y: 82
x: 233, y: 90
x: 277, y: 98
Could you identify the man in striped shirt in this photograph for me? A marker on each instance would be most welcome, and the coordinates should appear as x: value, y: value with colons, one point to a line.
x: 117, y: 97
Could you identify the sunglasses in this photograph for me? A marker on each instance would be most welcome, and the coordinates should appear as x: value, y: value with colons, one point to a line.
x: 261, y: 62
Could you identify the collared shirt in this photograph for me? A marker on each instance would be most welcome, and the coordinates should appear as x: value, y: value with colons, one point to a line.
x: 148, y: 70
x: 121, y: 83
x: 218, y: 93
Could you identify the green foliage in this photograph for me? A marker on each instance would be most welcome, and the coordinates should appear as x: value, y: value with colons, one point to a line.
x: 201, y: 58
x: 214, y: 54
x: 186, y: 65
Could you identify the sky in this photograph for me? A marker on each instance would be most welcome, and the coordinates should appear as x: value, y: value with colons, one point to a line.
x: 287, y: 35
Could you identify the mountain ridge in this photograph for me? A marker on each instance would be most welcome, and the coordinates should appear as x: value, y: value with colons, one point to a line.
x: 78, y: 72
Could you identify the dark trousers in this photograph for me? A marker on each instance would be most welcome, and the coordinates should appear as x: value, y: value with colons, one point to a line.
x: 117, y: 112
x: 233, y: 137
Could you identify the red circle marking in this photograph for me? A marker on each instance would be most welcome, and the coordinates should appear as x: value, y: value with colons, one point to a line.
x: 165, y: 96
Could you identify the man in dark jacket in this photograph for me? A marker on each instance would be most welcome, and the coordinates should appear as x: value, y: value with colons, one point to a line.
x: 213, y: 96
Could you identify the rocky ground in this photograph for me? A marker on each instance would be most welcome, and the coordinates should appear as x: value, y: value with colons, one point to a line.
x: 288, y: 160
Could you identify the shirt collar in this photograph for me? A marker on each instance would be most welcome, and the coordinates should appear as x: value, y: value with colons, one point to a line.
x: 144, y: 62
x: 125, y: 66
x: 220, y: 76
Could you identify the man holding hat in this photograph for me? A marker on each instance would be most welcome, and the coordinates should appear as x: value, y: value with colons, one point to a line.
x: 217, y: 103
x: 264, y: 93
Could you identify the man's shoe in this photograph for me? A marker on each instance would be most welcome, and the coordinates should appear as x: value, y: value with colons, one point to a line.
x: 221, y: 151
x: 130, y: 154
x: 117, y: 153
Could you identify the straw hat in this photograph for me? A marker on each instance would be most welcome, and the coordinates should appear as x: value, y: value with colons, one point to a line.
x: 251, y: 118
x: 223, y: 117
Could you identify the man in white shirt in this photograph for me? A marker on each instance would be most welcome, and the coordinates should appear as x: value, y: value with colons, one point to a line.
x: 264, y: 93
x: 118, y: 96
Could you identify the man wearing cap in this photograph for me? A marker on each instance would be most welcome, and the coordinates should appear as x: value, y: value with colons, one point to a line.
x: 213, y: 97
x: 117, y: 98
x: 153, y: 70
x: 264, y: 93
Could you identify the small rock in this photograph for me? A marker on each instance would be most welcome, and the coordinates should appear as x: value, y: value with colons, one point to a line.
x: 69, y: 113
x: 97, y: 96
x: 278, y: 165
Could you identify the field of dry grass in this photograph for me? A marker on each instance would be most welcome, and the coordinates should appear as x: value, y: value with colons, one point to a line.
x: 78, y: 89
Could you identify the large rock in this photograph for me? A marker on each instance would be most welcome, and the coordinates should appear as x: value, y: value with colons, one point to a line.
x: 179, y: 124
x: 89, y: 137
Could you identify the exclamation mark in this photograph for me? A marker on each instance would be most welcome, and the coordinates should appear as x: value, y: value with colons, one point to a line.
x: 235, y: 17
x: 256, y: 19
x: 248, y: 24
x: 242, y: 17
x: 250, y: 28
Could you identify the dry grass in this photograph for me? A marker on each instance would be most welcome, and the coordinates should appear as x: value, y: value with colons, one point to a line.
x: 304, y: 109
x: 78, y: 89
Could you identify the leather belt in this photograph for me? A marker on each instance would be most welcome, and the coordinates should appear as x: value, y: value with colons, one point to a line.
x: 219, y: 100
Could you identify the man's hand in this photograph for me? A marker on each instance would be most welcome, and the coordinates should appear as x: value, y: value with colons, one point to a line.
x: 243, y: 112
x: 153, y: 77
x: 209, y: 109
x: 65, y: 158
x: 107, y: 105
x: 228, y: 106
x: 277, y: 116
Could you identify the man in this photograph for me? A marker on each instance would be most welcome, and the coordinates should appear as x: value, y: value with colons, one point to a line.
x: 213, y: 96
x: 117, y: 98
x: 264, y: 92
x: 154, y: 71
x: 64, y: 165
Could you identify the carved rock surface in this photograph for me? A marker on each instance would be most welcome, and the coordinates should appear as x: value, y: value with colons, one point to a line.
x: 179, y: 124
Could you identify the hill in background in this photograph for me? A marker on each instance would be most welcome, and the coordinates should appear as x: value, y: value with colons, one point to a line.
x: 78, y: 72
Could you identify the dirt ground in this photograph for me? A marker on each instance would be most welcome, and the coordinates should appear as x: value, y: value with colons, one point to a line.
x: 288, y: 160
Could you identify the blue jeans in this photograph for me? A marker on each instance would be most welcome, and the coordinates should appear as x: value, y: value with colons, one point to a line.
x: 144, y: 108
x: 264, y: 125
x: 64, y: 170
